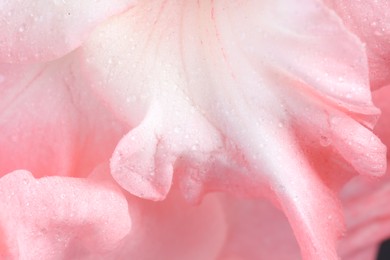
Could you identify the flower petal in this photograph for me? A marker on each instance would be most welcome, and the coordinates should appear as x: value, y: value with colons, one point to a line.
x: 266, y: 92
x: 144, y: 160
x: 370, y: 21
x: 381, y: 98
x: 257, y: 230
x: 59, y: 218
x: 367, y: 217
x: 366, y: 201
x: 44, y: 30
x: 48, y: 120
x: 173, y: 229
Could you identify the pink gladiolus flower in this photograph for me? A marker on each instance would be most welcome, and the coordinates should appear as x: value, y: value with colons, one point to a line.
x: 193, y: 129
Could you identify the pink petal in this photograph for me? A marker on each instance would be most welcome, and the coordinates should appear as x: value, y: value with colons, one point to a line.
x: 367, y: 217
x: 43, y: 30
x: 150, y: 151
x: 59, y: 218
x: 370, y: 21
x: 253, y: 98
x: 173, y: 229
x: 49, y: 123
x: 257, y: 230
x: 381, y: 98
x: 366, y: 201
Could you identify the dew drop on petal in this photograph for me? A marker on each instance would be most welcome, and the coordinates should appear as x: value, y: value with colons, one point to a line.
x: 21, y: 29
x: 195, y: 147
x: 325, y: 140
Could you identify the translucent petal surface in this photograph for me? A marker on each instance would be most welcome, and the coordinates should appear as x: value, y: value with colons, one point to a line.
x: 50, y: 123
x: 43, y: 30
x: 366, y: 200
x: 368, y: 218
x: 254, y: 98
x: 59, y: 217
x: 370, y: 21
x: 257, y: 230
x: 381, y: 98
x: 173, y: 229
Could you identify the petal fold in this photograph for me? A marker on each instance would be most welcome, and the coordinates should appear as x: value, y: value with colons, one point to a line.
x: 46, y: 111
x: 174, y: 229
x: 278, y: 85
x: 59, y: 217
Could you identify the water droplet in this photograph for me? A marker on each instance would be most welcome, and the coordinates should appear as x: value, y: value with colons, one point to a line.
x: 2, y: 78
x: 131, y: 99
x: 325, y: 140
x: 10, y: 195
x: 58, y: 238
x: 195, y: 147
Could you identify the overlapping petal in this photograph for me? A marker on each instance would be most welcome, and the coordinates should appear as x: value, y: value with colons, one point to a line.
x: 173, y: 229
x: 381, y: 98
x: 368, y: 218
x: 366, y: 201
x: 50, y: 122
x: 254, y: 98
x: 44, y: 30
x: 60, y: 217
x: 370, y: 21
x: 257, y: 230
